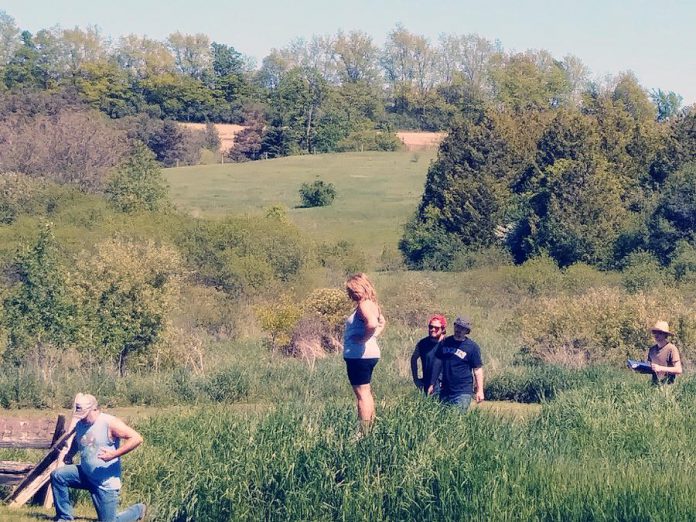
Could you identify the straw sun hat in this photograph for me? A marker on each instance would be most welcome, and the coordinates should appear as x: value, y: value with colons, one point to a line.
x: 661, y: 326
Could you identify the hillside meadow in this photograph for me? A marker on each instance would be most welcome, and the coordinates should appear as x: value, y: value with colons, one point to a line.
x: 254, y: 435
x: 376, y: 192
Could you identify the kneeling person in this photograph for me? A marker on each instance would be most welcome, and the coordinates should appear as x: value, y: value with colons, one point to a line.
x: 101, y: 440
x: 459, y: 360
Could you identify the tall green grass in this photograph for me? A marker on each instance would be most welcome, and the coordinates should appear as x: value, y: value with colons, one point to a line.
x: 614, y: 451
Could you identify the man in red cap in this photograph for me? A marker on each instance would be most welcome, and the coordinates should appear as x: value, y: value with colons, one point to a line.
x: 663, y: 357
x: 437, y: 326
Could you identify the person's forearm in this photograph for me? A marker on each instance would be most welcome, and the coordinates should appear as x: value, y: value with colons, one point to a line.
x: 668, y: 369
x: 128, y: 445
x: 478, y: 377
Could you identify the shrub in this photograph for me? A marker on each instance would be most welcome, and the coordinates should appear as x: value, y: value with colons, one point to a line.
x: 317, y: 194
x: 208, y: 309
x: 17, y: 192
x: 369, y: 140
x: 74, y: 147
x: 138, y: 184
x: 537, y: 276
x: 483, y: 257
x: 642, y: 272
x: 278, y: 319
x: 684, y: 262
x: 580, y: 277
x: 342, y: 256
x: 319, y: 330
x: 601, y: 325
x: 128, y: 292
x: 243, y: 255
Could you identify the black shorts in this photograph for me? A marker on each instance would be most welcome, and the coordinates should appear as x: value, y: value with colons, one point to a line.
x: 360, y: 370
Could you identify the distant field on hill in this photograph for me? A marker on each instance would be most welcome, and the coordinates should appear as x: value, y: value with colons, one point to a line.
x: 376, y: 192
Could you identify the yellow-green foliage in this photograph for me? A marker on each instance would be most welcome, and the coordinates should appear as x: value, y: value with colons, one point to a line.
x: 602, y: 325
x: 330, y: 304
x: 129, y: 290
x: 537, y: 276
x: 278, y: 319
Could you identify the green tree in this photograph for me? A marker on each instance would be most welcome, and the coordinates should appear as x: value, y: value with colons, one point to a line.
x: 128, y: 292
x: 297, y: 106
x: 9, y: 38
x: 666, y: 103
x: 108, y: 88
x: 41, y: 308
x: 674, y: 218
x: 23, y: 68
x: 138, y: 184
x: 529, y: 80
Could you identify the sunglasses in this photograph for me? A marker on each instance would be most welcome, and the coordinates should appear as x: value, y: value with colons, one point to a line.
x: 434, y: 327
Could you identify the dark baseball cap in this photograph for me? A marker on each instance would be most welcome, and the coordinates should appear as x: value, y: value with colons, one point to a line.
x: 463, y: 322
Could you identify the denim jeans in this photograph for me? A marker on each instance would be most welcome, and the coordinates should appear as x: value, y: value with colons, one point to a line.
x: 460, y: 400
x: 105, y: 500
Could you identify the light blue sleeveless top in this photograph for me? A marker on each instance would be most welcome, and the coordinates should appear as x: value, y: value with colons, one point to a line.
x: 90, y: 439
x: 355, y: 327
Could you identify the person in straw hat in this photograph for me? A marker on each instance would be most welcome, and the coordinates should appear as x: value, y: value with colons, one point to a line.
x: 663, y: 357
x: 101, y: 440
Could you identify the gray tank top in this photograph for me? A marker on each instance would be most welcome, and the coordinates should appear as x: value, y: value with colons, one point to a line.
x: 91, y: 439
x: 352, y: 349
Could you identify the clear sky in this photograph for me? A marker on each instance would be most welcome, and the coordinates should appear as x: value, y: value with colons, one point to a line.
x: 655, y: 39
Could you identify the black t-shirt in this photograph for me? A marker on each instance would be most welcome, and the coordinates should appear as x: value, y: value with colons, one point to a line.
x: 425, y: 349
x: 457, y: 359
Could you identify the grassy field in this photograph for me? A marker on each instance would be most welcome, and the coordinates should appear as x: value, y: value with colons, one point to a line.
x: 255, y: 435
x: 376, y: 192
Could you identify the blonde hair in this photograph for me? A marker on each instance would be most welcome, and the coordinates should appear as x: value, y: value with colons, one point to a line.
x: 361, y: 287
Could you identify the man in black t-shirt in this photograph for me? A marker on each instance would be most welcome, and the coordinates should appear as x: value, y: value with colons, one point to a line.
x: 425, y: 350
x: 458, y: 358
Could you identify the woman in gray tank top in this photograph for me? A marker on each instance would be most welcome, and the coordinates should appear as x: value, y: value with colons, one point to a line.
x: 360, y: 348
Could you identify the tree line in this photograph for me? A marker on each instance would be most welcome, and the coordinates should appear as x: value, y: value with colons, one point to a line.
x: 610, y: 182
x: 326, y: 93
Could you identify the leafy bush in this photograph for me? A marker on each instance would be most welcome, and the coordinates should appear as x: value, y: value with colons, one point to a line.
x: 343, y: 257
x: 684, y: 262
x: 138, y: 184
x: 128, y: 292
x: 472, y: 258
x: 643, y: 272
x: 278, y: 319
x: 601, y: 325
x: 537, y: 276
x: 579, y: 277
x: 320, y: 328
x: 317, y: 194
x: 243, y: 255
